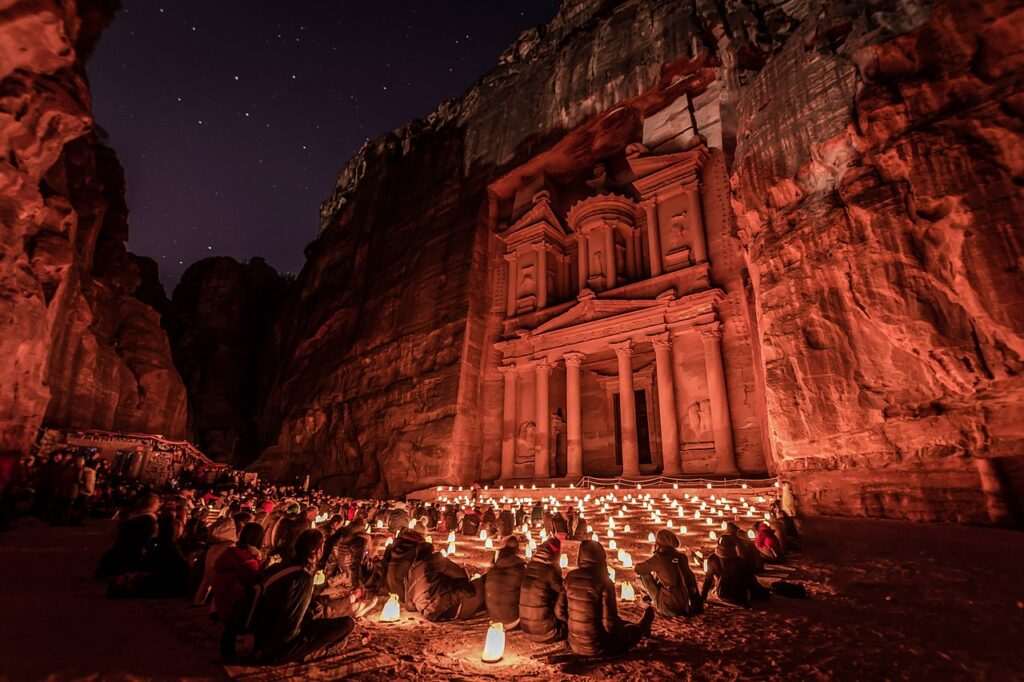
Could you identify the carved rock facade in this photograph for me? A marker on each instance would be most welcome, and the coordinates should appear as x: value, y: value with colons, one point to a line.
x: 847, y: 239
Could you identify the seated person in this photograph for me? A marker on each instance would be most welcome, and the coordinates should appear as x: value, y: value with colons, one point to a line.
x: 239, y: 567
x: 731, y: 577
x: 398, y: 559
x: 283, y: 625
x: 506, y: 521
x: 541, y: 588
x: 588, y: 604
x: 435, y: 586
x: 768, y: 544
x: 667, y: 578
x: 502, y: 584
x: 576, y: 526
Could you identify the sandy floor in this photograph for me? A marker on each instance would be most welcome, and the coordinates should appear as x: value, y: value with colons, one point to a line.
x: 889, y: 601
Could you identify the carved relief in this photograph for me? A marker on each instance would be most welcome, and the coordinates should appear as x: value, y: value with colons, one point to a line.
x: 699, y: 417
x: 526, y: 442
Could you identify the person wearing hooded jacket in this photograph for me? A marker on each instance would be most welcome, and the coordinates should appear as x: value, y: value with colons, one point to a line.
x: 576, y: 525
x: 588, y: 604
x: 398, y: 559
x: 731, y: 577
x: 435, y: 586
x: 502, y: 585
x: 667, y: 578
x: 238, y: 568
x: 506, y: 521
x: 287, y: 531
x: 398, y: 518
x: 539, y: 594
x: 471, y: 522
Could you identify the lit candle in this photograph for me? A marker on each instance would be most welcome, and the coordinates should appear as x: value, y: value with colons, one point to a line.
x: 391, y: 610
x: 451, y: 549
x: 627, y: 593
x: 650, y: 537
x: 563, y: 561
x: 611, y: 573
x: 494, y: 644
x: 611, y: 544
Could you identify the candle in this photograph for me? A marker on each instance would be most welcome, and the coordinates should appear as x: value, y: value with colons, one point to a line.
x: 627, y: 593
x: 494, y: 644
x: 391, y: 610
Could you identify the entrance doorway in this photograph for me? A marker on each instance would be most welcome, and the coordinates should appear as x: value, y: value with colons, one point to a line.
x: 643, y: 431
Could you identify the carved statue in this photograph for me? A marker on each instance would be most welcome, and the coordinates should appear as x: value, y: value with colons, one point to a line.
x: 698, y: 415
x: 557, y: 449
x: 525, y: 439
x: 598, y: 265
x: 526, y: 284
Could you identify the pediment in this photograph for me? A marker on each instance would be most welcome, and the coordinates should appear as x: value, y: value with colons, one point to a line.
x: 594, y: 309
x: 539, y: 218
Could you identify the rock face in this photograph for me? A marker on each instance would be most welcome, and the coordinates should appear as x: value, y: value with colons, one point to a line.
x: 222, y: 311
x: 78, y: 349
x: 870, y: 250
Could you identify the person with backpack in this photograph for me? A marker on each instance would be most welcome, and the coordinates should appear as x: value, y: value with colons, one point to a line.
x: 588, y: 605
x: 667, y: 578
x: 283, y: 627
x: 731, y: 577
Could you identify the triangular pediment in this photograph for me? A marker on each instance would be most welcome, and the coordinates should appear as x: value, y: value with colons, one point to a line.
x: 539, y: 218
x: 592, y: 310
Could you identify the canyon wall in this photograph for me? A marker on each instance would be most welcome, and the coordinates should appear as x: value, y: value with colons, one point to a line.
x: 77, y: 348
x: 874, y: 153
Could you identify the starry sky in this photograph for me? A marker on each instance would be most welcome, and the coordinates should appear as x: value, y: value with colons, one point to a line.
x: 232, y: 118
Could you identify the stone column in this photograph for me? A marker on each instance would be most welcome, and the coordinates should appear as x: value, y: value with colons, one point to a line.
x: 627, y: 410
x: 654, y: 236
x: 542, y: 276
x: 513, y: 293
x: 667, y: 405
x: 582, y: 259
x: 574, y: 415
x: 508, y: 422
x: 609, y: 255
x: 721, y: 423
x: 542, y: 445
x: 700, y: 240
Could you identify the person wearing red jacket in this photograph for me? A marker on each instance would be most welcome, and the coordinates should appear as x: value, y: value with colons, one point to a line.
x: 236, y: 569
x: 768, y: 543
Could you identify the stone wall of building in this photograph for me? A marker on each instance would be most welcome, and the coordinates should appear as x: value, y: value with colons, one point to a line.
x: 77, y: 348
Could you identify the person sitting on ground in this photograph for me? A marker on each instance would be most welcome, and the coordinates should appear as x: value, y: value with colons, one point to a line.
x: 502, y: 585
x: 667, y: 578
x: 731, y: 577
x: 223, y: 535
x: 450, y: 519
x: 745, y: 548
x: 284, y: 628
x: 537, y: 512
x: 576, y: 525
x: 539, y: 594
x: 506, y: 521
x: 588, y: 604
x: 287, y: 530
x: 471, y: 522
x: 768, y: 544
x: 398, y: 559
x: 344, y: 567
x: 435, y: 586
x: 165, y: 571
x: 196, y: 535
x: 785, y: 527
x: 239, y: 567
x: 397, y: 519
x: 136, y: 529
x: 558, y: 525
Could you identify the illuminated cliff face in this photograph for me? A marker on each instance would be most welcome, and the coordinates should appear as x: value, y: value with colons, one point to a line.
x: 78, y: 349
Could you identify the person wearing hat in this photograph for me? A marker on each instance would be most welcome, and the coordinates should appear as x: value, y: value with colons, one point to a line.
x: 588, y: 604
x: 541, y: 588
x: 667, y: 578
x: 731, y: 577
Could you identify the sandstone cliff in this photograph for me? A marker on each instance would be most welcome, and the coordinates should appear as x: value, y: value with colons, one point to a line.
x: 874, y: 152
x: 78, y: 349
x: 218, y: 321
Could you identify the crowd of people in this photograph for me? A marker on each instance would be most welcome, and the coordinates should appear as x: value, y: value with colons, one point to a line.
x: 288, y: 572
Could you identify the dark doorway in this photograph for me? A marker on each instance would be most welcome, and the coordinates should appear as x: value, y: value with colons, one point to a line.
x: 643, y: 432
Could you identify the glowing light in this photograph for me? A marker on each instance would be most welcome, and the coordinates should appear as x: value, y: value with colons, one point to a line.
x: 751, y: 534
x: 380, y: 524
x: 488, y: 544
x: 593, y: 536
x: 611, y: 533
x: 612, y: 545
x: 713, y: 535
x: 627, y: 593
x: 650, y: 537
x: 387, y: 543
x: 429, y: 540
x: 709, y: 486
x: 563, y: 561
x: 494, y: 644
x: 611, y: 573
x: 626, y: 529
x: 319, y: 578
x: 529, y: 552
x: 451, y: 549
x: 451, y: 536
x: 483, y: 534
x: 391, y: 610
x: 682, y: 530
x: 627, y: 560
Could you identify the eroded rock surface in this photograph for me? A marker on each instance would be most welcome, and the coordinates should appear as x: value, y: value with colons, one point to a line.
x: 874, y: 154
x: 78, y: 349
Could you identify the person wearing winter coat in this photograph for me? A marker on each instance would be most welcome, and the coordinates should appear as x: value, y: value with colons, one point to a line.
x: 488, y: 518
x: 283, y: 626
x: 731, y: 577
x: 768, y: 544
x: 588, y: 604
x: 471, y: 522
x: 398, y: 559
x: 345, y: 566
x: 450, y: 519
x: 398, y: 518
x: 537, y: 512
x: 539, y: 594
x: 667, y: 578
x: 288, y: 529
x: 223, y: 535
x: 238, y: 568
x: 745, y: 548
x: 435, y: 586
x: 135, y: 531
x: 506, y: 522
x: 557, y: 525
x: 503, y: 583
x: 576, y: 525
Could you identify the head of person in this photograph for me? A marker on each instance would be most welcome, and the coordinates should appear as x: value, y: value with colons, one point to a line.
x: 726, y: 546
x: 358, y: 525
x: 665, y: 541
x: 309, y: 547
x: 251, y: 536
x: 148, y: 503
x: 509, y: 548
x: 592, y: 556
x: 732, y: 529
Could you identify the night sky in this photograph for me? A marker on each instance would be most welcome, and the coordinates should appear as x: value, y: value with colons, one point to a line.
x: 233, y: 117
